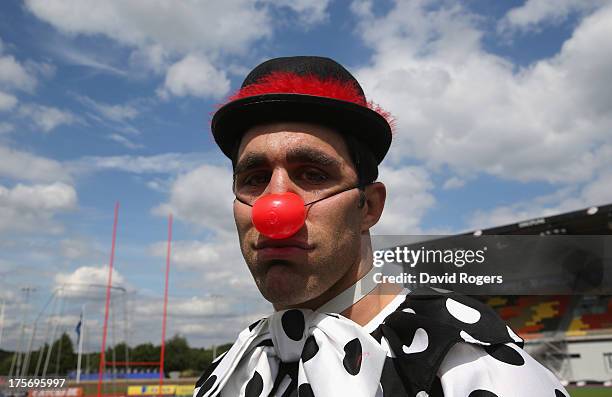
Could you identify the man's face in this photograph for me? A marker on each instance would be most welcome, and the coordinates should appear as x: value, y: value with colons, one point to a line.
x: 312, y: 161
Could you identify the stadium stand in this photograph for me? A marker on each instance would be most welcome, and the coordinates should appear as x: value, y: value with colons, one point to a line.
x: 531, y: 316
x: 594, y: 316
x: 570, y: 334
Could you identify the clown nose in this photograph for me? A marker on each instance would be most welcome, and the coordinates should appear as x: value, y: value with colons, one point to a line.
x: 279, y: 215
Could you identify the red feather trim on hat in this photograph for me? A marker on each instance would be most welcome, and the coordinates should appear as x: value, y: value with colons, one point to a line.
x: 292, y: 83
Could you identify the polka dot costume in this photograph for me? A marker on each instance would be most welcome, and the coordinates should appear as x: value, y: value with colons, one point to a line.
x: 436, y: 343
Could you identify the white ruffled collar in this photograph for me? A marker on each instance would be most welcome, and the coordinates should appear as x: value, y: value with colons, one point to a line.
x: 358, y: 291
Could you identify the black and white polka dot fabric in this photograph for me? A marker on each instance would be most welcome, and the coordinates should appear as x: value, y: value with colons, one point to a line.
x: 312, y: 351
x: 435, y: 344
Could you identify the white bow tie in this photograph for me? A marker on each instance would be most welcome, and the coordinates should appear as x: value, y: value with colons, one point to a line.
x: 332, y: 353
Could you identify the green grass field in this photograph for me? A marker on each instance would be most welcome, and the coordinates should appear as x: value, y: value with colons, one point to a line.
x: 590, y: 391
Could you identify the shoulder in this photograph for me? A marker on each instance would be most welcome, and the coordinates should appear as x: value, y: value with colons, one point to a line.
x: 444, y: 318
x: 496, y: 370
x: 423, y: 331
x: 474, y: 321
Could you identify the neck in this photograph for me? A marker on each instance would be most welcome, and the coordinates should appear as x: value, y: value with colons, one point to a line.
x: 369, y: 305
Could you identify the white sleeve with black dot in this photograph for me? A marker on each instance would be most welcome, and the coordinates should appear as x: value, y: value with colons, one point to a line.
x: 469, y: 370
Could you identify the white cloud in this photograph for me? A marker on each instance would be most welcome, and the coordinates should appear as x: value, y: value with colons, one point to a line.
x: 66, y: 320
x: 178, y: 27
x: 161, y: 163
x: 309, y: 12
x: 161, y: 32
x: 10, y: 325
x: 75, y: 248
x: 203, y: 197
x: 160, y: 28
x: 594, y: 193
x: 536, y: 12
x: 6, y: 294
x: 206, y: 318
x: 125, y: 141
x: 83, y: 57
x: 117, y: 113
x: 57, y: 196
x: 4, y: 128
x: 196, y: 76
x: 7, y: 101
x: 219, y: 262
x: 453, y: 183
x: 78, y: 282
x: 14, y: 75
x: 190, y: 307
x: 597, y: 192
x: 47, y: 118
x: 30, y: 208
x: 150, y: 57
x: 206, y: 329
x: 160, y: 185
x: 18, y: 76
x: 409, y: 197
x: 21, y: 165
x: 190, y: 254
x: 507, y: 214
x: 40, y: 69
x: 221, y: 330
x: 460, y: 107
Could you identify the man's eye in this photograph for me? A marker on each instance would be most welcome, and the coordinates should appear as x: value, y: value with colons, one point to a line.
x: 256, y: 179
x: 314, y: 176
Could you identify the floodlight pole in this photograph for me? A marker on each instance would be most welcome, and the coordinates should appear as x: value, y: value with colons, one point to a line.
x: 2, y: 320
x: 163, y: 338
x: 108, y: 293
x: 80, y: 348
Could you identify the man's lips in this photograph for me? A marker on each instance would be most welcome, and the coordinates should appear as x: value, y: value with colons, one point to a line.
x: 282, y: 245
x: 287, y: 247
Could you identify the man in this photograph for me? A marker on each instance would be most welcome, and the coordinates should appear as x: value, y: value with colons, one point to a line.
x: 305, y: 146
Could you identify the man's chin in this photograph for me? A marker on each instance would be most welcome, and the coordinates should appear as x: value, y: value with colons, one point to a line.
x: 283, y: 283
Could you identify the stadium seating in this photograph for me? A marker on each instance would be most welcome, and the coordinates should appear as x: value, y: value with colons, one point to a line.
x: 531, y: 316
x: 535, y: 316
x: 593, y: 315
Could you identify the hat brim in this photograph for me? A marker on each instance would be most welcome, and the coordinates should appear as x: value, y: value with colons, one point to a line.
x: 232, y: 120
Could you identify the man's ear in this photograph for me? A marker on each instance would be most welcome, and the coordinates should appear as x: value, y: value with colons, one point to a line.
x: 374, y: 203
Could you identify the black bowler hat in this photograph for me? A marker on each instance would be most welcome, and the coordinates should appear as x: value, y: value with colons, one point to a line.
x: 303, y: 88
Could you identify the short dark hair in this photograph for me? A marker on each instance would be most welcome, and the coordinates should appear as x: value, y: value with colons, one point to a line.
x: 363, y: 160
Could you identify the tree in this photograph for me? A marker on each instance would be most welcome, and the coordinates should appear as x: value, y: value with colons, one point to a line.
x: 145, y: 352
x: 5, y: 363
x: 119, y: 350
x: 202, y: 358
x: 63, y: 358
x: 178, y: 355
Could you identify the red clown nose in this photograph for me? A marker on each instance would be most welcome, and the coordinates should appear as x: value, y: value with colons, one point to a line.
x: 279, y: 215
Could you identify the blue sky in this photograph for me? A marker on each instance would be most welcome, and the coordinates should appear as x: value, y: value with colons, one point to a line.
x: 504, y: 113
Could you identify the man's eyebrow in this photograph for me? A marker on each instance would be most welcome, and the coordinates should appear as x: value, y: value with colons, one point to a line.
x: 309, y: 155
x: 251, y: 160
x: 295, y: 155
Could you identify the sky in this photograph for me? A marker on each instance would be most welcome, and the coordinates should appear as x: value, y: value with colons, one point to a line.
x: 503, y: 110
